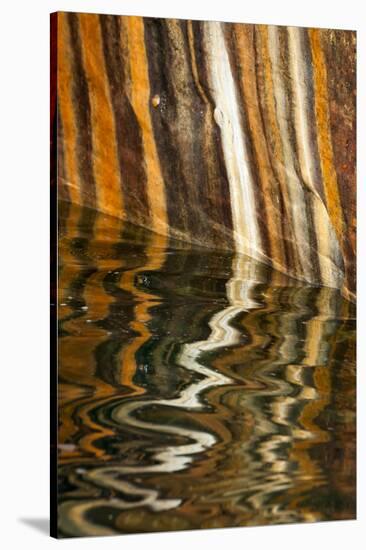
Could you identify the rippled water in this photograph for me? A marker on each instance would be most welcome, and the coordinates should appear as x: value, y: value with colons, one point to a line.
x: 197, y: 389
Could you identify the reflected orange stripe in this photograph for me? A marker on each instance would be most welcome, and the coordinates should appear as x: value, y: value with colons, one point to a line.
x: 322, y: 383
x: 155, y: 253
x: 78, y: 366
x: 67, y: 269
x: 98, y: 302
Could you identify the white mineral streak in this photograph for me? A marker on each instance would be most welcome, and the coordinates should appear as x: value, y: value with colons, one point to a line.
x: 328, y: 246
x: 299, y: 224
x: 301, y: 103
x: 227, y: 116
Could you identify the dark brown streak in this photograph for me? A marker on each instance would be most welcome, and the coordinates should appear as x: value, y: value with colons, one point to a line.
x: 311, y: 111
x: 128, y: 133
x: 202, y: 157
x: 222, y: 177
x: 164, y: 122
x: 81, y: 105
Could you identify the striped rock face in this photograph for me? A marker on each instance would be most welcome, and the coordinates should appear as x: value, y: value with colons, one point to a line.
x: 227, y: 136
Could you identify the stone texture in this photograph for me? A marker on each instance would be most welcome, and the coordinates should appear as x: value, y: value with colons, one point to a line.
x: 228, y: 136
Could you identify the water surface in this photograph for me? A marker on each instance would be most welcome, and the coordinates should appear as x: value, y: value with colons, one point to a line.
x: 197, y: 389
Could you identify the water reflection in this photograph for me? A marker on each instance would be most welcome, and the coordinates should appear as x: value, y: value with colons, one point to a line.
x: 196, y: 389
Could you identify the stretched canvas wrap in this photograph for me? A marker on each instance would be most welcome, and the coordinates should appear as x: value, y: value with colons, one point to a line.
x: 203, y: 246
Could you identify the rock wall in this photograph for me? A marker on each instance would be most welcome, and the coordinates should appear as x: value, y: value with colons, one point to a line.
x: 227, y: 136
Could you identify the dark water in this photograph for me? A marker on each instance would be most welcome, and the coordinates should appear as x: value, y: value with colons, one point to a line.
x: 196, y: 389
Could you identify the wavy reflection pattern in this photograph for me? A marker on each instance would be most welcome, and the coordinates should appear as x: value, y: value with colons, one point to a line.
x: 197, y: 389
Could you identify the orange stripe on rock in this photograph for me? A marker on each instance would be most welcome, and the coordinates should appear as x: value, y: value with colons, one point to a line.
x: 140, y: 98
x: 324, y: 138
x: 105, y: 161
x: 64, y: 90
